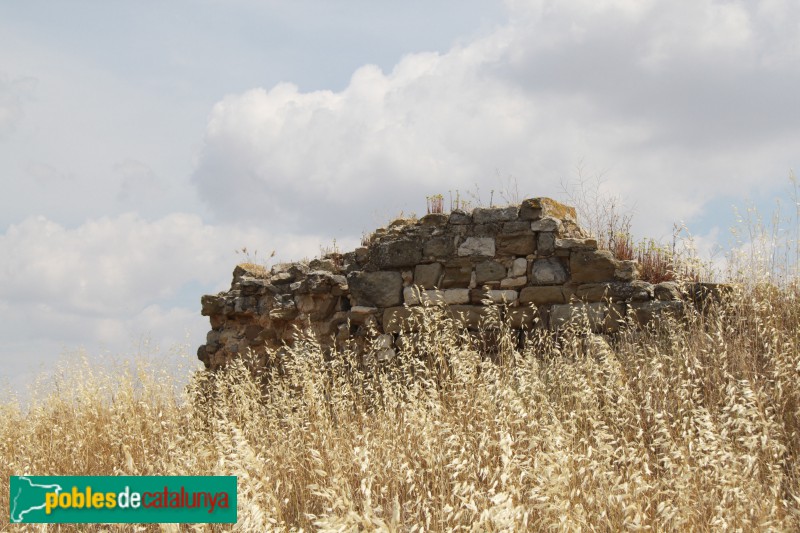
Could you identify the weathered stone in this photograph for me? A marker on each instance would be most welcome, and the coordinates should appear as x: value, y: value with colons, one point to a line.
x: 211, y: 305
x: 546, y: 244
x: 627, y: 270
x: 645, y: 312
x: 616, y: 291
x: 283, y: 313
x: 362, y: 255
x: 592, y: 267
x: 503, y: 296
x: 516, y: 244
x: 667, y: 290
x: 456, y: 296
x: 318, y: 307
x: 548, y: 272
x: 519, y: 267
x: 517, y: 226
x: 416, y: 296
x: 579, y: 315
x: 376, y: 289
x: 282, y: 277
x: 514, y: 283
x: 489, y: 271
x: 477, y: 246
x: 576, y: 244
x: 245, y: 305
x: 546, y: 224
x: 482, y: 215
x: 459, y: 217
x: 521, y: 317
x: 250, y: 286
x: 472, y: 316
x: 294, y: 271
x: 327, y: 265
x: 542, y: 295
x: 439, y: 247
x: 420, y: 263
x: 434, y: 219
x: 457, y: 273
x: 320, y: 281
x: 395, y: 254
x: 396, y: 319
x: 361, y: 314
x: 490, y: 229
x: 534, y: 208
x: 428, y: 276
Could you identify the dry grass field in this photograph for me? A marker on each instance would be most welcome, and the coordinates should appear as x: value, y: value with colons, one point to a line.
x: 691, y: 426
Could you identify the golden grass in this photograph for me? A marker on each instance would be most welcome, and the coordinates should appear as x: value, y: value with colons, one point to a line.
x: 690, y: 427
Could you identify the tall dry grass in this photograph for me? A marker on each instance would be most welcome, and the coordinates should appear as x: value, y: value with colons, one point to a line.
x: 691, y: 426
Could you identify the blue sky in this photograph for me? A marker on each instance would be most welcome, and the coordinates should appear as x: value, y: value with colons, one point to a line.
x: 142, y: 143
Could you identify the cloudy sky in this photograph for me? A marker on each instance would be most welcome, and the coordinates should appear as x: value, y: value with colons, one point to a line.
x: 142, y: 143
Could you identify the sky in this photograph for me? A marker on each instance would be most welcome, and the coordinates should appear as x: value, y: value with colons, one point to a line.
x: 142, y: 144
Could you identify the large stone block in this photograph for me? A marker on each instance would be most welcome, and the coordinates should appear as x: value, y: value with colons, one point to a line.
x: 482, y: 215
x: 459, y: 217
x: 376, y: 289
x: 667, y: 290
x: 428, y: 276
x: 542, y: 295
x: 548, y: 272
x: 434, y: 219
x: 592, y: 266
x: 516, y: 244
x: 439, y: 247
x: 212, y: 305
x: 579, y: 315
x: 472, y: 316
x: 395, y: 254
x: 534, y: 208
x: 489, y: 271
x: 645, y: 312
x: 517, y: 226
x: 615, y: 291
x: 514, y: 283
x: 546, y: 244
x: 546, y: 224
x: 456, y: 296
x: 576, y: 244
x: 519, y: 267
x: 457, y: 273
x: 477, y: 246
x: 396, y: 319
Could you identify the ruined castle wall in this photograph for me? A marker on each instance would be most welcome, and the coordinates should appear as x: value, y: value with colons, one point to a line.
x: 533, y: 258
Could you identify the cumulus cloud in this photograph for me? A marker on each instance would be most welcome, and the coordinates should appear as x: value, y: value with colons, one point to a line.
x: 113, y: 280
x: 116, y: 266
x: 680, y: 98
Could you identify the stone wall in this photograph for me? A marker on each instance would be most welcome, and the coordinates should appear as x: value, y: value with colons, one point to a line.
x: 533, y: 258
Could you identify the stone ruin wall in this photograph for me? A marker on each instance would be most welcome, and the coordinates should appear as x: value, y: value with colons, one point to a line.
x: 533, y: 258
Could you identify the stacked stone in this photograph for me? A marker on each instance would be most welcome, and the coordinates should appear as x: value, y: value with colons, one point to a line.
x: 533, y: 258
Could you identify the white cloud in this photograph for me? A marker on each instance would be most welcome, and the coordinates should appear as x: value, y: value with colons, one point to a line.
x: 115, y: 266
x: 677, y: 101
x: 110, y: 282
